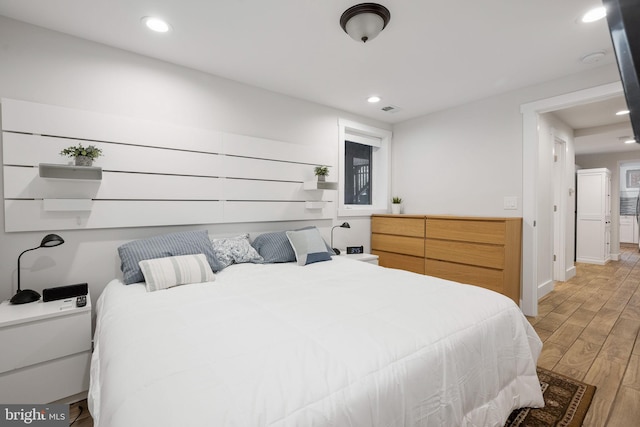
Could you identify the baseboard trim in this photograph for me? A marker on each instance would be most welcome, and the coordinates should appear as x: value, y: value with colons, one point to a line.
x: 570, y: 273
x: 545, y: 288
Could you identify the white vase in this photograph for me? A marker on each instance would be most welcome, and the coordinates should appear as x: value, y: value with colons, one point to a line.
x: 395, y: 208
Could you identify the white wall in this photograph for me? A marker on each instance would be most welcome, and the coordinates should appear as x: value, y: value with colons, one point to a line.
x: 465, y: 160
x: 47, y: 67
x: 612, y: 162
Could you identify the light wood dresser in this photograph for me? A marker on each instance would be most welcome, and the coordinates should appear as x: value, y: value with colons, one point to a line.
x: 480, y: 251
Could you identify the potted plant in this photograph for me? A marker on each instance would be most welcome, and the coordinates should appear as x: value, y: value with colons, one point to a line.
x: 321, y: 172
x: 395, y: 205
x: 83, y: 156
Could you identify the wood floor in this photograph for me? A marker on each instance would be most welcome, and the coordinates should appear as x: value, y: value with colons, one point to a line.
x: 589, y: 326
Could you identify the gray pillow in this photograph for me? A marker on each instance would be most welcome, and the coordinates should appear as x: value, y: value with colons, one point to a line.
x: 309, y: 246
x: 275, y: 247
x: 166, y: 245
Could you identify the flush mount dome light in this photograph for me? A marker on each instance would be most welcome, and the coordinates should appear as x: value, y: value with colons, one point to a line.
x: 373, y: 99
x: 156, y: 24
x: 622, y: 112
x: 364, y: 21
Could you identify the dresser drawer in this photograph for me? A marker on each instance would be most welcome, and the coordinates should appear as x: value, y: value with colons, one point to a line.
x: 43, y: 340
x: 412, y: 227
x: 479, y: 276
x: 465, y: 253
x: 398, y: 244
x: 402, y: 262
x: 466, y: 230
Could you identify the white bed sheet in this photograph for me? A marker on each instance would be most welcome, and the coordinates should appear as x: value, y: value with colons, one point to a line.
x: 339, y: 343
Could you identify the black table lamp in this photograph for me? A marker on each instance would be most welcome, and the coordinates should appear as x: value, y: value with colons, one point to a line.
x: 27, y: 295
x: 343, y: 225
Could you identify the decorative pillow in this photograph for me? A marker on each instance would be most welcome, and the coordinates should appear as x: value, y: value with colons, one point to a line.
x: 309, y: 246
x: 235, y: 250
x: 275, y: 247
x: 166, y: 245
x: 163, y: 273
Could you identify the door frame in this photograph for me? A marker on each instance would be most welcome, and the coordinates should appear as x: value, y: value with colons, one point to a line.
x: 560, y: 211
x: 530, y: 174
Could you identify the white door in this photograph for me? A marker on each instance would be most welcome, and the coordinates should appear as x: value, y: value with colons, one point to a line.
x: 559, y: 149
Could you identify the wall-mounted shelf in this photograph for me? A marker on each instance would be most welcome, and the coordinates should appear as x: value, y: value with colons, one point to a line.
x: 320, y: 185
x: 86, y: 173
x: 315, y: 205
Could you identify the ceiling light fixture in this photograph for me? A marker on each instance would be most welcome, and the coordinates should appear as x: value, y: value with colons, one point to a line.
x: 593, y: 57
x: 595, y: 14
x: 630, y: 141
x: 373, y: 99
x: 622, y: 112
x: 364, y: 21
x: 156, y: 24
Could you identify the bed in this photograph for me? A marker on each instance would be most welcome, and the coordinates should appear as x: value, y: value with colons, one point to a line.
x: 336, y: 343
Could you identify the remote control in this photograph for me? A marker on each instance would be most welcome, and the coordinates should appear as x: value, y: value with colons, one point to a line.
x: 81, y: 301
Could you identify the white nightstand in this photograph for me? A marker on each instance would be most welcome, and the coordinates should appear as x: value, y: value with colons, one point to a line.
x: 371, y: 259
x: 46, y: 351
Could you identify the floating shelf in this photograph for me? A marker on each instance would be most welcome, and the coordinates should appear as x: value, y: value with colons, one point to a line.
x: 315, y: 205
x: 320, y: 185
x: 86, y: 173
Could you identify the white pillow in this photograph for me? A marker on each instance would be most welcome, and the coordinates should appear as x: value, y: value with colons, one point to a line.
x: 163, y: 273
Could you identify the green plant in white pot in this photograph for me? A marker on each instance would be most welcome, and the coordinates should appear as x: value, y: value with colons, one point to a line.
x: 84, y: 156
x: 396, y: 204
x: 321, y: 172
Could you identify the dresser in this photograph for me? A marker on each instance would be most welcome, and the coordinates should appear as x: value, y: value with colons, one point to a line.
x: 480, y: 251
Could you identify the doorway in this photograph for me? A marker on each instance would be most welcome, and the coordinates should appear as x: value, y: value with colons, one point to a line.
x: 534, y: 205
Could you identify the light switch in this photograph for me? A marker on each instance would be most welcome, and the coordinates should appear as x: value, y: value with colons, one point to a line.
x: 511, y: 202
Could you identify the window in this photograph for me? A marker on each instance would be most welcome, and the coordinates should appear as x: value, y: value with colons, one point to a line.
x: 357, y: 173
x: 364, y: 169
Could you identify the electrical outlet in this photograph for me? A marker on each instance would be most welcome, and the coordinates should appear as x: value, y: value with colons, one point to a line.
x: 511, y: 202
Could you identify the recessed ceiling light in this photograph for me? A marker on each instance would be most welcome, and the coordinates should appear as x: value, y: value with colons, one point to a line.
x: 630, y: 141
x: 593, y: 57
x: 627, y: 139
x: 156, y: 24
x: 622, y: 112
x: 373, y: 99
x: 594, y: 14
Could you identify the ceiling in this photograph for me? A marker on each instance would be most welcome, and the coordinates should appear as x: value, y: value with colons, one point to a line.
x: 433, y: 54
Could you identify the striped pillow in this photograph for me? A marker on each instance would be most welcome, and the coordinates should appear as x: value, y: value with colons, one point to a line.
x: 163, y: 273
x: 166, y: 245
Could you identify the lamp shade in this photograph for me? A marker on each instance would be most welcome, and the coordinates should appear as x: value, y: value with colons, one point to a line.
x: 51, y: 240
x: 363, y: 22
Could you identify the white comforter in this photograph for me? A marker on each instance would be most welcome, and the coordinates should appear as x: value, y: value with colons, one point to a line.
x: 339, y: 343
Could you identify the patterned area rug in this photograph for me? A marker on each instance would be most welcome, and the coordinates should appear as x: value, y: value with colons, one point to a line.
x: 566, y: 402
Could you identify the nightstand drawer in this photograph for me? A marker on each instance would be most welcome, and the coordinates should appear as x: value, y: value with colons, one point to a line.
x: 34, y: 342
x: 46, y: 382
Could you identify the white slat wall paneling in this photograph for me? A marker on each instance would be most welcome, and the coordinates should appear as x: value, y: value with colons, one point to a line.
x: 152, y: 173
x: 271, y: 211
x: 27, y: 215
x: 248, y: 146
x: 42, y: 119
